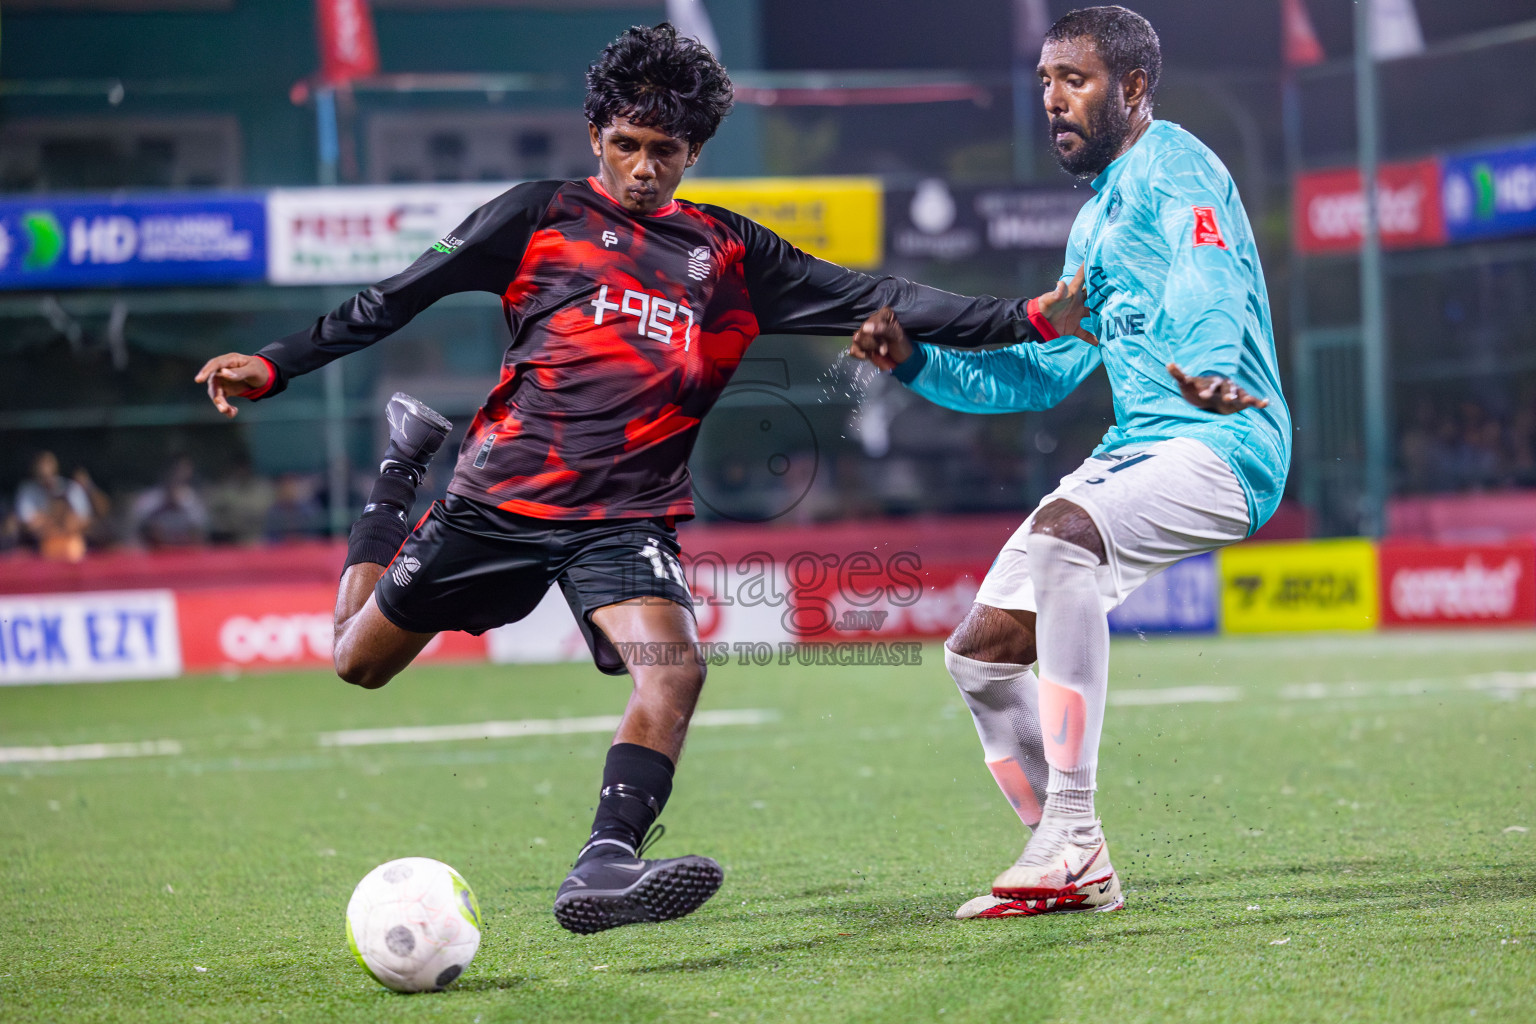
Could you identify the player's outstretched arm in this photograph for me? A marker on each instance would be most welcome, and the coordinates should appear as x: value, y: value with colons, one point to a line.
x: 882, y: 341
x: 234, y: 375
x: 1215, y: 393
x: 1020, y: 377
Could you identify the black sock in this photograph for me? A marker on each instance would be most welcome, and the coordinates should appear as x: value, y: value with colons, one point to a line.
x: 375, y: 537
x: 636, y: 784
x: 394, y: 489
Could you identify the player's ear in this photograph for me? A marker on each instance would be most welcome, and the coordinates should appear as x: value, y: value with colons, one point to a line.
x: 596, y: 135
x: 1134, y: 87
x: 694, y: 149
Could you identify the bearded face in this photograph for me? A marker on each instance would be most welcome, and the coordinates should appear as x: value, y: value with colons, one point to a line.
x: 1085, y: 149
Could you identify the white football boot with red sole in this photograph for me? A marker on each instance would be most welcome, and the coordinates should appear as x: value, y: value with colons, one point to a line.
x: 1062, y: 870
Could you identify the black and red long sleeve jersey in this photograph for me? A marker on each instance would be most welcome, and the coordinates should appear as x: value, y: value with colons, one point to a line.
x: 625, y: 329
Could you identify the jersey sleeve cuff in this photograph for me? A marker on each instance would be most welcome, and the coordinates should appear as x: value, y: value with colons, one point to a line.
x: 907, y: 370
x: 1038, y: 321
x: 274, y: 383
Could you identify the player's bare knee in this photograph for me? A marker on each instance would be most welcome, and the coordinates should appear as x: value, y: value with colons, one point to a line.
x: 365, y: 672
x: 994, y: 635
x: 1067, y: 521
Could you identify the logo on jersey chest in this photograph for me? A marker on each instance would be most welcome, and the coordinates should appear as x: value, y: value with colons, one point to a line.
x: 698, y: 263
x: 1122, y: 325
x: 610, y: 238
x: 655, y: 316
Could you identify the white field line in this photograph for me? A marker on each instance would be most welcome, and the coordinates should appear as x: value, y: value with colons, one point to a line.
x: 89, y: 751
x: 523, y: 727
x: 1490, y: 682
x: 1178, y: 695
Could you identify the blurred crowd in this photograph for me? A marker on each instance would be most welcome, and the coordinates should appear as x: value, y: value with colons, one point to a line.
x: 1466, y: 447
x: 908, y: 457
x: 62, y: 517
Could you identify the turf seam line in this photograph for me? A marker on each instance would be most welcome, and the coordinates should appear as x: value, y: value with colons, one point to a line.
x: 522, y: 727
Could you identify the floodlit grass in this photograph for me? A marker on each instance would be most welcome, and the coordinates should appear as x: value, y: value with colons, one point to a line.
x: 1333, y: 844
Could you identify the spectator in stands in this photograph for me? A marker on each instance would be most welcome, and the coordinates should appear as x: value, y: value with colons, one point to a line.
x: 295, y: 512
x: 1417, y: 449
x: 10, y: 527
x: 1478, y: 447
x: 238, y: 506
x: 172, y: 514
x: 53, y: 512
x: 1522, y: 439
x: 101, y: 532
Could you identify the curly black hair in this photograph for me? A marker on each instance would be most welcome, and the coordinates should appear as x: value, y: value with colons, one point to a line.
x: 1123, y: 38
x: 661, y: 80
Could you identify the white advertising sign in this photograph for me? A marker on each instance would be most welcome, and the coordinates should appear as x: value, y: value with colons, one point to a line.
x: 550, y: 634
x: 362, y: 234
x: 93, y: 637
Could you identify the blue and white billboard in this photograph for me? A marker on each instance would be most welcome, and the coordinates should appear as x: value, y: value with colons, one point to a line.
x: 1181, y: 599
x: 48, y: 242
x: 1490, y: 194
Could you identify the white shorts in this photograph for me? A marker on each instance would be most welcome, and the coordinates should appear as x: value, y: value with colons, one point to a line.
x: 1153, y: 505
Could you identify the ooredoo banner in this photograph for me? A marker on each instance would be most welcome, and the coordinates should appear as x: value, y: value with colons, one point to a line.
x: 69, y: 638
x: 1470, y: 585
x: 1330, y: 208
x: 271, y: 626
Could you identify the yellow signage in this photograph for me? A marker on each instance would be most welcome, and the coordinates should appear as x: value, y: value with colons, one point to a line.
x: 839, y: 219
x: 1298, y: 585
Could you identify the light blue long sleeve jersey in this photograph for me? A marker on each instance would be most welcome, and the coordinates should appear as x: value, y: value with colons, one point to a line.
x: 1172, y: 277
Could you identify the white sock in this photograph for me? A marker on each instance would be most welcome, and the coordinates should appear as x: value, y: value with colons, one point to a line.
x: 1003, y: 700
x: 1072, y: 635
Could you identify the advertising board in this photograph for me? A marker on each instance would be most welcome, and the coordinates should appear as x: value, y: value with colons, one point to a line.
x: 1180, y: 599
x: 729, y: 607
x: 1329, y: 208
x: 938, y: 221
x: 362, y: 234
x: 839, y: 219
x: 88, y: 637
x: 271, y: 626
x: 1469, y: 585
x: 1298, y: 585
x: 1490, y: 193
x: 110, y: 242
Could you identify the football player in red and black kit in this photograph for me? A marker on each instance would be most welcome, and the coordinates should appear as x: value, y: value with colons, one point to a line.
x: 629, y: 310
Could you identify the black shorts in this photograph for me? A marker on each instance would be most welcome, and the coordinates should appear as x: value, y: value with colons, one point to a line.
x: 473, y: 567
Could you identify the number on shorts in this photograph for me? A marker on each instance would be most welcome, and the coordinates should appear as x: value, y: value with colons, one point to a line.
x: 662, y: 563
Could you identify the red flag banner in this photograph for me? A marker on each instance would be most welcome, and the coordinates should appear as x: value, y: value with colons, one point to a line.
x: 1301, y: 46
x: 348, y: 47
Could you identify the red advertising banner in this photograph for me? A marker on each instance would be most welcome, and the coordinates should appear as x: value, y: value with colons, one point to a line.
x: 277, y: 626
x: 1330, y: 208
x: 1453, y: 584
x: 866, y: 597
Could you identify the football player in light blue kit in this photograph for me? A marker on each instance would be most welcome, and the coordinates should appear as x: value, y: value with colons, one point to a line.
x: 1163, y: 263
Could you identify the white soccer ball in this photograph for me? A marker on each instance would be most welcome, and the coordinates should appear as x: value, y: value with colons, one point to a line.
x: 413, y: 924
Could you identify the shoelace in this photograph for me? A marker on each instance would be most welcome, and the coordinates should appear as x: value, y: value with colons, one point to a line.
x: 651, y: 838
x: 1045, y: 845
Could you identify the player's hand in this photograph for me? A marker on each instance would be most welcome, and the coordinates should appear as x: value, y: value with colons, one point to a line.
x: 1065, y: 308
x: 882, y: 341
x: 1215, y: 394
x: 230, y: 376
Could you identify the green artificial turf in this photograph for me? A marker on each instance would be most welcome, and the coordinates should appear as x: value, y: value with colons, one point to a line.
x: 1334, y: 843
